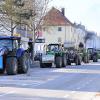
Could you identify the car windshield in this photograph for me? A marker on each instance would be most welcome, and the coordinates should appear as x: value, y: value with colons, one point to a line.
x: 6, y: 43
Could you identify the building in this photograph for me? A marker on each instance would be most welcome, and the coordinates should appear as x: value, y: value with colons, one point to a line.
x: 58, y: 29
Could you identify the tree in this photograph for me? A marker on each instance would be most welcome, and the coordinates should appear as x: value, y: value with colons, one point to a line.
x: 12, y: 14
x: 39, y: 9
x: 28, y: 12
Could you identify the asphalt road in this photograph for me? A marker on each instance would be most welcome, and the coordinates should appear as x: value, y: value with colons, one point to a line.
x: 70, y: 83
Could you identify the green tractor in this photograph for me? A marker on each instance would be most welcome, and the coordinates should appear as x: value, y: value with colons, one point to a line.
x: 54, y: 55
x: 93, y: 54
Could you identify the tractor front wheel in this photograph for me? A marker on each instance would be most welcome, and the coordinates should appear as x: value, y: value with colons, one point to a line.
x: 24, y: 63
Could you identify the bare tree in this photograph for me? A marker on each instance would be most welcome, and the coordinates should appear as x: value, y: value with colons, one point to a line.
x: 39, y: 9
x: 12, y: 14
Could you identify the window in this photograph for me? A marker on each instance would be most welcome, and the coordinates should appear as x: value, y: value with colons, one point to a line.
x: 6, y: 43
x: 15, y: 44
x: 59, y: 29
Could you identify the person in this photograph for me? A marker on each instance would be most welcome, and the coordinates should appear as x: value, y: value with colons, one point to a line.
x: 30, y: 48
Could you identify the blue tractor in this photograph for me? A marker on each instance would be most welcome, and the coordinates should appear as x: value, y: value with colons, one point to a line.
x: 14, y: 55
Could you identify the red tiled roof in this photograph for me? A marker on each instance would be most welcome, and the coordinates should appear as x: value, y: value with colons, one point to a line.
x: 55, y: 17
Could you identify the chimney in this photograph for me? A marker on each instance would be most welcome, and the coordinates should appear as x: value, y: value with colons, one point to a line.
x: 63, y: 11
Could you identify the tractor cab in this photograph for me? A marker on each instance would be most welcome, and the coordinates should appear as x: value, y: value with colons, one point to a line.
x: 53, y: 47
x: 10, y: 43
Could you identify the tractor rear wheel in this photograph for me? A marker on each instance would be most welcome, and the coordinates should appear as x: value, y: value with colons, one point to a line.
x: 58, y: 62
x: 11, y: 65
x: 95, y: 59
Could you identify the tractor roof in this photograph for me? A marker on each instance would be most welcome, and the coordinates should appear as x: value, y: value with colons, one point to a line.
x: 10, y: 37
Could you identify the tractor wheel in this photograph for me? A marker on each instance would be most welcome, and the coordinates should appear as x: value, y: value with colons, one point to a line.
x: 95, y: 59
x: 2, y: 71
x: 24, y: 63
x: 68, y: 62
x: 85, y: 59
x: 78, y: 60
x: 64, y: 61
x: 45, y: 65
x: 58, y: 62
x: 49, y: 65
x: 11, y: 65
x: 42, y: 65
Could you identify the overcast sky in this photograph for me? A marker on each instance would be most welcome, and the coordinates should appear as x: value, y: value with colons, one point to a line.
x: 85, y: 11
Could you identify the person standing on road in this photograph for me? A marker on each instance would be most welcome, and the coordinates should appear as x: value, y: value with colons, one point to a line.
x: 30, y: 50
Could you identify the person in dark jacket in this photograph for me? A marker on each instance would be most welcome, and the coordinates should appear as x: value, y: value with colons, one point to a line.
x: 30, y: 48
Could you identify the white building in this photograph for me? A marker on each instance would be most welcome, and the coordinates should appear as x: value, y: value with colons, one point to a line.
x: 57, y: 28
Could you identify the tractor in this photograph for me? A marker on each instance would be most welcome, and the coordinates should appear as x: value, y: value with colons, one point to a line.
x: 54, y: 55
x: 72, y: 55
x: 14, y: 55
x: 93, y: 54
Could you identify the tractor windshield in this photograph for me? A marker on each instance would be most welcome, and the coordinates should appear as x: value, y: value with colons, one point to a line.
x: 6, y: 43
x: 53, y: 47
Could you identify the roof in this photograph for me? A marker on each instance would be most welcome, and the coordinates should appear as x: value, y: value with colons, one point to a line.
x: 56, y: 18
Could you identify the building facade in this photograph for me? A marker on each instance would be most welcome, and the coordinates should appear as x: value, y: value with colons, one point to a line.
x: 58, y: 29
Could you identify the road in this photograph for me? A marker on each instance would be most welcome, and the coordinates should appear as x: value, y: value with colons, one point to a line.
x: 70, y: 83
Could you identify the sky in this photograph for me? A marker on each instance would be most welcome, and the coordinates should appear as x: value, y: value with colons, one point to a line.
x: 86, y: 12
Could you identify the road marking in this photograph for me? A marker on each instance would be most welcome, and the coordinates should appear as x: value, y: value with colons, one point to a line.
x: 7, y: 93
